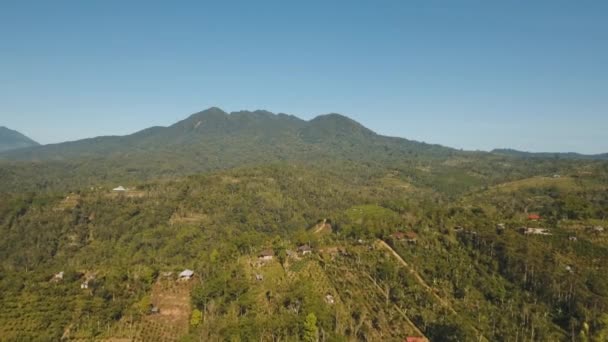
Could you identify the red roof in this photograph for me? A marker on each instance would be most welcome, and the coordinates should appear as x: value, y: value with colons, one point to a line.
x: 533, y: 217
x: 415, y: 339
x: 398, y: 235
x: 411, y: 235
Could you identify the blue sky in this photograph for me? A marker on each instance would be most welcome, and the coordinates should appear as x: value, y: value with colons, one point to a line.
x: 531, y: 75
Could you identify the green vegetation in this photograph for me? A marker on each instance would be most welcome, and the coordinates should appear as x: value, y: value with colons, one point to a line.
x: 460, y: 271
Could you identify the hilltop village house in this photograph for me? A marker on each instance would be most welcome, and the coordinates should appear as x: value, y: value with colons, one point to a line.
x: 120, y: 188
x: 266, y: 255
x: 186, y: 275
x: 415, y: 339
x: 410, y: 237
x: 58, y: 277
x: 304, y: 250
x: 87, y: 281
x: 534, y: 231
x: 399, y: 236
x: 533, y: 217
x: 598, y: 229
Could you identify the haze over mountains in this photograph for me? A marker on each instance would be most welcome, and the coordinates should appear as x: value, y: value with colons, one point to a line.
x: 213, y: 140
x: 237, y: 130
x: 240, y: 130
x: 11, y: 140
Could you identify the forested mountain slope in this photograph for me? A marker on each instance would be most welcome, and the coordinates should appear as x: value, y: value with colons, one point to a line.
x: 206, y: 141
x: 214, y: 140
x: 11, y: 140
x: 471, y: 280
x: 298, y: 230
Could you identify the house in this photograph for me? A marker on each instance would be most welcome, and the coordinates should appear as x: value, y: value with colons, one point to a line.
x: 259, y: 277
x: 186, y: 275
x: 458, y: 229
x: 87, y: 281
x: 556, y: 176
x: 154, y: 310
x: 500, y: 226
x: 57, y: 277
x: 598, y: 229
x: 304, y: 250
x: 120, y: 188
x: 411, y: 237
x: 533, y: 217
x: 398, y: 236
x: 534, y: 231
x: 168, y: 274
x: 329, y: 299
x: 415, y: 339
x: 572, y: 238
x: 266, y: 255
x: 569, y: 269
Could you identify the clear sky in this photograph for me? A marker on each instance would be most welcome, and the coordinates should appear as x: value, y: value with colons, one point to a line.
x: 531, y: 75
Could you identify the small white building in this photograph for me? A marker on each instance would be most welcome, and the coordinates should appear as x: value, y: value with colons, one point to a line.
x: 186, y: 275
x: 120, y: 188
x: 266, y: 255
x: 305, y: 250
x: 57, y: 277
x: 535, y: 231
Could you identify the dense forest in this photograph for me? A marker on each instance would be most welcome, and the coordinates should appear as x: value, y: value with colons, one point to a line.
x: 336, y: 235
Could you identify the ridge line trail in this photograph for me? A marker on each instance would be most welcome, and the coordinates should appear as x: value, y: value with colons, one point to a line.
x: 422, y: 282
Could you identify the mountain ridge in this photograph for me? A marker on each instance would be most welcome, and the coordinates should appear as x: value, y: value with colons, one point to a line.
x: 11, y: 140
x: 214, y: 123
x: 566, y: 155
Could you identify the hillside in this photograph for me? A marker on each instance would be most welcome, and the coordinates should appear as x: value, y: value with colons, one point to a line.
x: 12, y: 140
x: 462, y: 279
x: 298, y: 230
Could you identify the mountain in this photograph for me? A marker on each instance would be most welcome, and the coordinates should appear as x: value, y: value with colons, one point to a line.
x: 11, y: 140
x: 213, y: 133
x: 563, y: 155
x: 213, y: 140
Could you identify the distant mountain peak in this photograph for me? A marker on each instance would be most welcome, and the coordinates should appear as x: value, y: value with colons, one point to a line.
x: 209, y: 112
x: 12, y: 140
x: 339, y: 123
